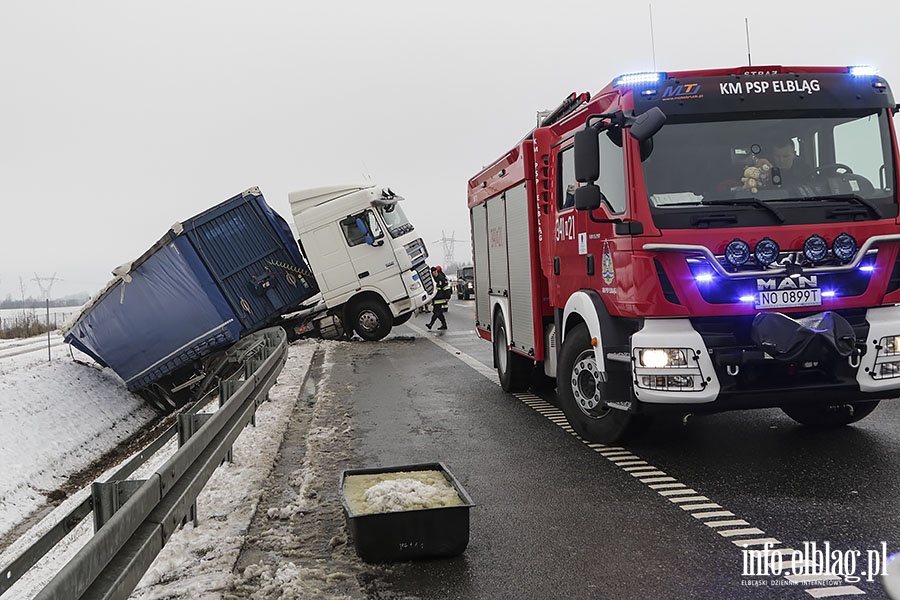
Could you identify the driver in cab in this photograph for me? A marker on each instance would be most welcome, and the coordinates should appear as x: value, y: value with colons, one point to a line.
x: 788, y: 168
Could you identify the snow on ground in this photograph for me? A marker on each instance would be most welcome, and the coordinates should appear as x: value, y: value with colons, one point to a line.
x: 60, y: 415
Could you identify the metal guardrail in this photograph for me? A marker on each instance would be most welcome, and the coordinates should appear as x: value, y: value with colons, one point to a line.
x: 135, y: 518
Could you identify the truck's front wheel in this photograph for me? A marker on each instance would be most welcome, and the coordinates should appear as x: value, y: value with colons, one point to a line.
x: 372, y: 320
x: 828, y: 415
x: 580, y: 388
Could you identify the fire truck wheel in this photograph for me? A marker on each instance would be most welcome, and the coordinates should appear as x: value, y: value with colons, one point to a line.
x: 830, y: 415
x: 372, y: 320
x: 513, y: 369
x: 581, y: 394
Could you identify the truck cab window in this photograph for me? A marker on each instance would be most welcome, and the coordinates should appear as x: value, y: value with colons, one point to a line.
x: 612, y: 174
x: 565, y: 198
x: 611, y: 182
x: 351, y: 230
x: 395, y: 220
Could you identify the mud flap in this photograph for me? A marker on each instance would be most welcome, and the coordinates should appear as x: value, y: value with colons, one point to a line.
x: 822, y: 336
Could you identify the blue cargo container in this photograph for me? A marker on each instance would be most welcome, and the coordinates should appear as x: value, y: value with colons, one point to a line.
x: 210, y: 280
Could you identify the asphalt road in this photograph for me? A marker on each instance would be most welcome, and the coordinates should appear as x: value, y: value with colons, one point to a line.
x: 662, y: 517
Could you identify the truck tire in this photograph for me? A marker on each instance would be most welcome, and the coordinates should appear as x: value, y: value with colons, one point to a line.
x: 371, y: 320
x: 513, y: 369
x: 581, y: 392
x: 829, y: 415
x: 402, y: 319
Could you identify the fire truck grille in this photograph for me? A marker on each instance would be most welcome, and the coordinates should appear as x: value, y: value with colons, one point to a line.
x: 720, y: 290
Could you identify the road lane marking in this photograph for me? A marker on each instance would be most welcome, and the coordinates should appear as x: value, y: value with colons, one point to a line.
x: 666, y: 486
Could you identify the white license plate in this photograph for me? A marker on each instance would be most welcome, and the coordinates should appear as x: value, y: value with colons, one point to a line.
x: 789, y: 298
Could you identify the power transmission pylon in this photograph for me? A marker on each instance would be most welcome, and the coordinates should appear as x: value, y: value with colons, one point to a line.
x: 447, y: 244
x: 45, y: 287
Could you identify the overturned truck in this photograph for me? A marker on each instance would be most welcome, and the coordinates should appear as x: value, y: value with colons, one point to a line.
x: 164, y: 323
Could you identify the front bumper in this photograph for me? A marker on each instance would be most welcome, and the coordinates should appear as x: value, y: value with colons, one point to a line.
x: 723, y: 369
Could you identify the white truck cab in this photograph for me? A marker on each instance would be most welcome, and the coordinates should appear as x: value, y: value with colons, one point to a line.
x: 369, y: 264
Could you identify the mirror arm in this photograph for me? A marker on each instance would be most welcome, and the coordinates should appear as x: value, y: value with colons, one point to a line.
x: 596, y: 220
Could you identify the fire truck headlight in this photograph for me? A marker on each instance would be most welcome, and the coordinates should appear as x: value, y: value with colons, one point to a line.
x: 766, y: 251
x: 659, y: 358
x: 844, y: 247
x: 890, y: 346
x: 815, y: 248
x: 737, y: 252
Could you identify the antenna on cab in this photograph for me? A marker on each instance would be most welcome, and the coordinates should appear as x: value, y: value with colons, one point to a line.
x: 747, y: 29
x: 652, y: 41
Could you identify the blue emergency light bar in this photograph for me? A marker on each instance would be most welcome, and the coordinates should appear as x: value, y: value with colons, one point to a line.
x: 862, y: 71
x: 636, y: 79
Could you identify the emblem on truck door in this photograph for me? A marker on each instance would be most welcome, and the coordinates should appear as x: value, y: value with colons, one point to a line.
x: 608, y: 271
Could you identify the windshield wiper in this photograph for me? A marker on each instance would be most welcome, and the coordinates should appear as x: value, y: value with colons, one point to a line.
x: 744, y: 202
x: 855, y: 198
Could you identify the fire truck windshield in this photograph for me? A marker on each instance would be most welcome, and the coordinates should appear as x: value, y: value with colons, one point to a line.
x: 794, y: 161
x: 395, y: 220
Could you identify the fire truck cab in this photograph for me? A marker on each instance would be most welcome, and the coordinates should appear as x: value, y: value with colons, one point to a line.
x: 698, y: 241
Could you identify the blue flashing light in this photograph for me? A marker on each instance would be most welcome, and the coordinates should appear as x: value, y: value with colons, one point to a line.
x: 828, y: 294
x: 634, y: 79
x: 748, y: 298
x: 704, y: 278
x: 867, y: 268
x: 862, y: 71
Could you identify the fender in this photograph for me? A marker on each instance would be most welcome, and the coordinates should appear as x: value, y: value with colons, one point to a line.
x: 503, y: 303
x: 588, y: 305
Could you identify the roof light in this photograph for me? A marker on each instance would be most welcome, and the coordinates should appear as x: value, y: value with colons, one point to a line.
x: 633, y: 79
x: 862, y: 71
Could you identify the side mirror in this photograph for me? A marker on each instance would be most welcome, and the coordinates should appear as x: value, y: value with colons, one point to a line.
x: 587, y: 155
x: 587, y: 197
x: 646, y: 125
x: 365, y: 231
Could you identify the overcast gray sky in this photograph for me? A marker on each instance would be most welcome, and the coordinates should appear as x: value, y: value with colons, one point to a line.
x: 119, y: 118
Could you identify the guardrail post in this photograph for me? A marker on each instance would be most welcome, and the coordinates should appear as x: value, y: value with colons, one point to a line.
x: 108, y: 496
x: 188, y: 425
x: 250, y: 367
x: 227, y: 389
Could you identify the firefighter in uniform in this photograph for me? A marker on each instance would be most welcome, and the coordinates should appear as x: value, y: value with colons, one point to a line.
x: 441, y: 298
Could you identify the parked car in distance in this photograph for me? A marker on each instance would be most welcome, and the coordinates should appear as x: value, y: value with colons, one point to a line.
x: 465, y: 283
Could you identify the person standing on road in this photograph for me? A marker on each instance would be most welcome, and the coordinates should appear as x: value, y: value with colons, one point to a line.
x: 441, y: 298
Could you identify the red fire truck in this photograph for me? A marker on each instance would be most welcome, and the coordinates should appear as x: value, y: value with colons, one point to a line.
x: 698, y: 241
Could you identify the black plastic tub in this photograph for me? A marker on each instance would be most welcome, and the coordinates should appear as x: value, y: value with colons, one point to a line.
x: 409, y: 534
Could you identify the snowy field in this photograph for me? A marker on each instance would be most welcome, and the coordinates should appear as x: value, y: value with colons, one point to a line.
x: 60, y: 415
